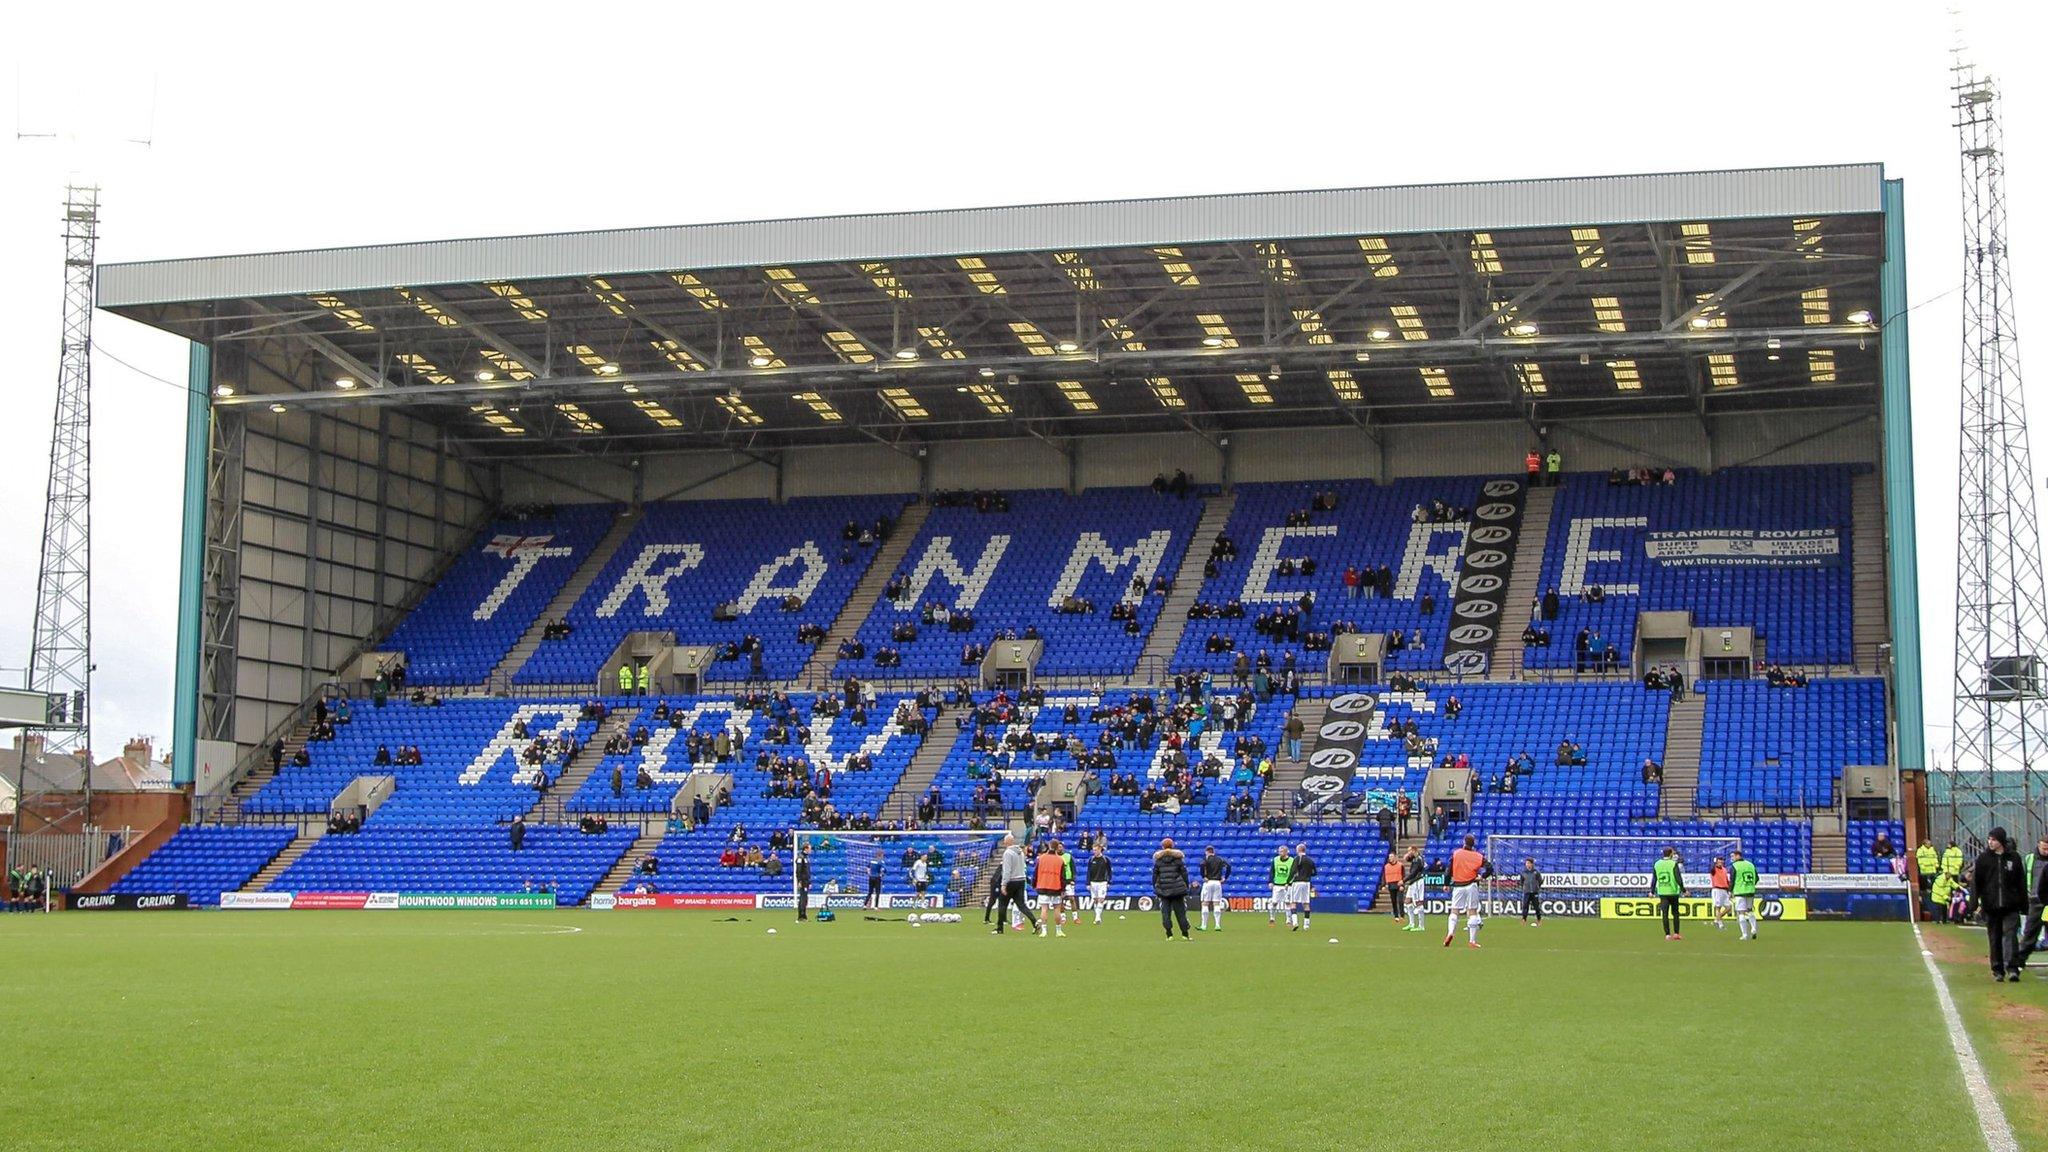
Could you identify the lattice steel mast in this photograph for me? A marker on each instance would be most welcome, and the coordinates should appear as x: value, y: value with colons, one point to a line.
x: 57, y: 796
x: 2001, y: 717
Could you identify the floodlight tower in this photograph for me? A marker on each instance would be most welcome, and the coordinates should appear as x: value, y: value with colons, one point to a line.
x: 2001, y: 712
x: 55, y: 795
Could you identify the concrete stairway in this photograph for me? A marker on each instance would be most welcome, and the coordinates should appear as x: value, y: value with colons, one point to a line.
x: 587, y: 759
x: 921, y: 771
x: 263, y: 773
x: 1287, y: 775
x: 1830, y: 852
x: 567, y: 597
x: 1684, y: 730
x: 281, y: 861
x: 1867, y: 553
x: 1187, y: 586
x: 866, y: 594
x: 1523, y: 583
x: 622, y: 871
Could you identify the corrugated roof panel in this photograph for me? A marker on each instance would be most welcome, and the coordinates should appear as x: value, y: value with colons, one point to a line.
x: 1803, y: 192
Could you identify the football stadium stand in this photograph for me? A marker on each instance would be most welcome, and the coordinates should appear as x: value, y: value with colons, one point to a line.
x: 473, y: 765
x: 203, y: 861
x: 1041, y: 564
x: 1288, y: 544
x: 1011, y: 561
x: 1761, y: 547
x: 864, y: 748
x: 469, y: 620
x: 1786, y: 747
x: 720, y: 572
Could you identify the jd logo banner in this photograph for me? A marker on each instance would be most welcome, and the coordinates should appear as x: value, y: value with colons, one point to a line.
x: 1340, y: 738
x: 1482, y: 588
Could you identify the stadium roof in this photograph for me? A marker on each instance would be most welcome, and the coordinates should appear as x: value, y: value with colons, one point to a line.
x: 1693, y: 292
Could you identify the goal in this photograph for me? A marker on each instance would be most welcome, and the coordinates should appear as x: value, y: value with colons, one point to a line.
x: 957, y: 862
x: 1598, y: 865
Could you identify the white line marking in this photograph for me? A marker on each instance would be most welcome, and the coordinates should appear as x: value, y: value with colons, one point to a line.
x: 1991, y: 1120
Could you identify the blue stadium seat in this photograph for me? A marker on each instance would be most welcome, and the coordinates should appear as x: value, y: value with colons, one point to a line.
x: 715, y: 551
x: 203, y: 861
x: 501, y: 582
x: 1036, y: 549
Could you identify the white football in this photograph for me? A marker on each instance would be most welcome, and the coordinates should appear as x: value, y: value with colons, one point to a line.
x: 1333, y: 939
x: 917, y: 923
x: 771, y: 931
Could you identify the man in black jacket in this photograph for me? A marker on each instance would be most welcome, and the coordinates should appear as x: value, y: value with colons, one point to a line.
x: 1998, y: 886
x: 1170, y: 886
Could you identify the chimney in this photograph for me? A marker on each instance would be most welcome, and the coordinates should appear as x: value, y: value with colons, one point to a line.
x: 136, y: 751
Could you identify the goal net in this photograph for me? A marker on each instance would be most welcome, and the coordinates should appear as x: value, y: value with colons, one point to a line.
x: 1599, y: 865
x: 956, y: 866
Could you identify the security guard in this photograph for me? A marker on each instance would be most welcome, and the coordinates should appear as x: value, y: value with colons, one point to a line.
x: 1952, y: 862
x: 1944, y: 888
x: 1928, y: 862
x: 641, y: 682
x: 626, y: 679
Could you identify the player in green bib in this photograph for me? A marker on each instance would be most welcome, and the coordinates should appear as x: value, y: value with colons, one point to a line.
x: 1667, y: 880
x: 1283, y: 879
x: 1743, y: 886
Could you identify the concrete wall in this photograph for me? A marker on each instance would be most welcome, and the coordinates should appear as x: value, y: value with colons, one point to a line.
x: 344, y: 518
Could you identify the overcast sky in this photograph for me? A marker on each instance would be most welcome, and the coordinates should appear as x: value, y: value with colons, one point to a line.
x: 283, y: 126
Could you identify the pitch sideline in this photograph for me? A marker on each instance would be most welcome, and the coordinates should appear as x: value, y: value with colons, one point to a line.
x: 1991, y: 1121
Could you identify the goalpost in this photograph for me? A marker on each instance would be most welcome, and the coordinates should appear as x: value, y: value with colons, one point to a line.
x: 1596, y: 865
x: 958, y: 863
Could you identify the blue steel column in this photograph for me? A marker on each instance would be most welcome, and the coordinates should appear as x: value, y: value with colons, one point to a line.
x: 1902, y: 554
x: 192, y: 565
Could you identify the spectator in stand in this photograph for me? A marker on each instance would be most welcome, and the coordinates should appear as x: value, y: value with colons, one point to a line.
x: 1293, y: 730
x: 517, y: 834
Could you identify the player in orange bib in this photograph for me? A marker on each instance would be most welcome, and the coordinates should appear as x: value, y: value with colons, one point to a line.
x: 1722, y: 902
x: 1050, y: 878
x: 1468, y: 867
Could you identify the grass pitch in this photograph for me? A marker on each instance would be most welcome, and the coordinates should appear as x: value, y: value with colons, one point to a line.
x: 584, y: 1030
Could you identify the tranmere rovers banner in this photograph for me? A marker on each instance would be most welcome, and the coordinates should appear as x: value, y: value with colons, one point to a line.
x: 1790, y: 548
